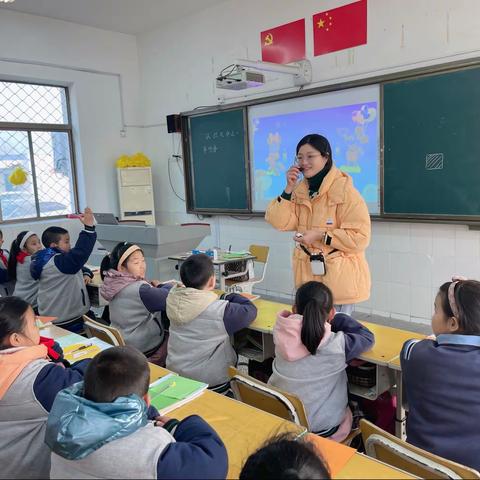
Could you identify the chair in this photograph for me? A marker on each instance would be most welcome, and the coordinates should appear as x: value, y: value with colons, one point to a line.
x: 261, y: 253
x: 103, y: 332
x: 389, y: 449
x: 248, y: 390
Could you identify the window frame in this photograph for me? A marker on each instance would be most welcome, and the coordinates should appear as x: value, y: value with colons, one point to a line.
x: 44, y: 127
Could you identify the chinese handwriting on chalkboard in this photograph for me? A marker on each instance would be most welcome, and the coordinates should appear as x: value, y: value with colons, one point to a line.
x: 221, y: 134
x: 210, y: 149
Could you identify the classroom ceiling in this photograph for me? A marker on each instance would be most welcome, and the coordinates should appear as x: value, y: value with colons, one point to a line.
x: 125, y: 16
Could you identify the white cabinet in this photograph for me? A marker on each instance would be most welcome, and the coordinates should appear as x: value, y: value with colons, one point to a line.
x: 135, y: 191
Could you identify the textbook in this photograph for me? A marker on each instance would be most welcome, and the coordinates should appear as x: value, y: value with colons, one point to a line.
x: 173, y: 391
x: 77, y: 348
x: 80, y: 351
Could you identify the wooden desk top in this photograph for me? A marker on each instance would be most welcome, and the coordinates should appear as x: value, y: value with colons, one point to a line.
x: 388, y: 340
x: 267, y: 314
x: 242, y: 428
x: 388, y: 343
x: 362, y: 467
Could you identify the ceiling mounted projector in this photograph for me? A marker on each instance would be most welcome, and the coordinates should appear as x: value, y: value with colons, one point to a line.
x: 245, y: 74
x: 240, y: 79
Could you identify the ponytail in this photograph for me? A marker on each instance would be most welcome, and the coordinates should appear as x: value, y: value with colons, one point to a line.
x: 313, y: 326
x: 314, y: 301
x: 105, y: 266
x: 12, y: 259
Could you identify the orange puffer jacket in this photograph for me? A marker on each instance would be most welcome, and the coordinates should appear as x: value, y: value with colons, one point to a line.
x: 340, y: 210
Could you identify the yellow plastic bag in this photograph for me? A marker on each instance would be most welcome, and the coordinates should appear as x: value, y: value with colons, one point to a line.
x: 139, y: 159
x: 18, y: 176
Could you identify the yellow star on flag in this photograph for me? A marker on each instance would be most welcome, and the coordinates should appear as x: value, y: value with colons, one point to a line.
x: 320, y: 23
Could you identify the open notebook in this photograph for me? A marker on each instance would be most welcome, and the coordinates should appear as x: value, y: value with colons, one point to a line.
x: 76, y: 348
x: 173, y: 391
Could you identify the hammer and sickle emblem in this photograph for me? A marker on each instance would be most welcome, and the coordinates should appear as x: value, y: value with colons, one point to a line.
x: 268, y: 39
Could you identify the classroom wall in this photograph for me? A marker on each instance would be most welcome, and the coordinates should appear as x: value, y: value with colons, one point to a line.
x: 179, y: 62
x: 30, y: 45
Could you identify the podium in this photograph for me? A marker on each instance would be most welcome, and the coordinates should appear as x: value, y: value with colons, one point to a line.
x: 158, y: 242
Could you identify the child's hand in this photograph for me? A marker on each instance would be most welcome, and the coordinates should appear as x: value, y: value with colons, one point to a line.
x: 161, y: 420
x: 88, y: 219
x: 155, y: 283
x: 87, y: 279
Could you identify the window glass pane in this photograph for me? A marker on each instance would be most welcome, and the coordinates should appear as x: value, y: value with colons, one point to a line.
x: 23, y: 102
x: 53, y: 170
x: 16, y: 201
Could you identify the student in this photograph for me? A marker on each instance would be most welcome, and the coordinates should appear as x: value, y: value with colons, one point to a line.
x: 441, y: 377
x: 29, y: 382
x: 23, y: 247
x: 312, y: 347
x: 136, y: 306
x: 100, y: 429
x: 6, y: 285
x: 201, y: 324
x: 283, y: 457
x: 62, y: 275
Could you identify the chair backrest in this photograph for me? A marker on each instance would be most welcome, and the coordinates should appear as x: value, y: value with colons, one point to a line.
x: 391, y: 450
x: 253, y: 392
x: 103, y: 332
x: 260, y: 252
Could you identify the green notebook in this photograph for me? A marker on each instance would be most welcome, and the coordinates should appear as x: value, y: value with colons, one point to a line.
x: 231, y: 255
x: 173, y: 391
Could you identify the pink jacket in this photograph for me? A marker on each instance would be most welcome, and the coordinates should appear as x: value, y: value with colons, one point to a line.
x: 287, y: 336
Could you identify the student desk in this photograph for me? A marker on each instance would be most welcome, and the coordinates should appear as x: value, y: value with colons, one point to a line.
x: 385, y: 354
x: 362, y: 467
x: 243, y: 429
x: 219, y: 265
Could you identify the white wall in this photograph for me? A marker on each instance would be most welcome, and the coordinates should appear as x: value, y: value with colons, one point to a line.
x: 178, y: 66
x: 96, y: 109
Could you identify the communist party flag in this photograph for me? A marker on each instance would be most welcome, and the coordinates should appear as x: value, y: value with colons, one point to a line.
x: 340, y: 28
x: 284, y: 44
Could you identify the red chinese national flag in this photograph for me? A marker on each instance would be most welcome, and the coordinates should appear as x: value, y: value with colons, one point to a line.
x: 284, y: 44
x: 340, y: 28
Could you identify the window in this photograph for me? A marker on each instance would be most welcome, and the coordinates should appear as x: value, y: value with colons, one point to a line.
x: 36, y: 136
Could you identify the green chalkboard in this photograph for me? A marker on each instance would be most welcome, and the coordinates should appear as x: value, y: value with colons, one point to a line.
x: 217, y: 177
x: 432, y: 145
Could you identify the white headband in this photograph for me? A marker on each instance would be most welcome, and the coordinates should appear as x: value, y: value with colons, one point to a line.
x: 127, y: 253
x: 25, y: 238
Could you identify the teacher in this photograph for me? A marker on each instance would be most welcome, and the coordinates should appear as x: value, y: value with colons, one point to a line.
x: 332, y: 224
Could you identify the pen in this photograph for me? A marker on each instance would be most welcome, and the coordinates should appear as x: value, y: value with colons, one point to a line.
x: 83, y: 347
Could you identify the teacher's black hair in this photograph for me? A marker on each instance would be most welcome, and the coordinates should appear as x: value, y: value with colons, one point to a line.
x: 314, y: 301
x: 320, y: 143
